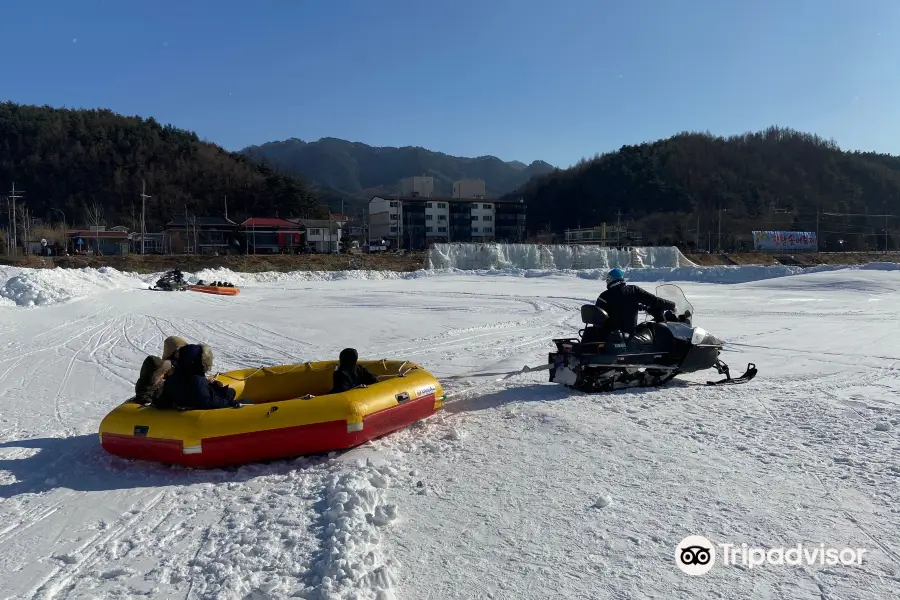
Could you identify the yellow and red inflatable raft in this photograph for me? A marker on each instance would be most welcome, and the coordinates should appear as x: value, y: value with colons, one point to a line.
x: 279, y: 423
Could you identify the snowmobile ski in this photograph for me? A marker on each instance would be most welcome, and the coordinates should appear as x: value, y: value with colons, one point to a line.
x: 748, y: 375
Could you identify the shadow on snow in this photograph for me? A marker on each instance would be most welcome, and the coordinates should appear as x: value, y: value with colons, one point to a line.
x: 526, y: 393
x: 80, y: 463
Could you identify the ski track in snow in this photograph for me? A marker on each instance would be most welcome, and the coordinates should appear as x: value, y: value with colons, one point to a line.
x: 495, y: 496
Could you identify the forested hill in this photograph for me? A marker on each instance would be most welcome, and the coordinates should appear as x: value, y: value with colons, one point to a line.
x: 70, y: 159
x: 359, y: 170
x: 754, y: 176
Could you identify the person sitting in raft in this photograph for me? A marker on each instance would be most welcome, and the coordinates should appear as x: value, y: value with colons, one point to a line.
x: 148, y: 388
x: 189, y: 387
x: 171, y: 345
x: 349, y: 374
x: 154, y: 370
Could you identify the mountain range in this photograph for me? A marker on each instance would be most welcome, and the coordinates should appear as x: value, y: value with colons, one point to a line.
x: 359, y: 171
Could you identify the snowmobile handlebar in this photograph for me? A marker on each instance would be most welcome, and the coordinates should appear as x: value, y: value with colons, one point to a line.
x: 670, y: 317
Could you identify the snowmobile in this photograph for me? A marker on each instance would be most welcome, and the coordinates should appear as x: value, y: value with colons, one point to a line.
x: 658, y: 351
x: 172, y: 281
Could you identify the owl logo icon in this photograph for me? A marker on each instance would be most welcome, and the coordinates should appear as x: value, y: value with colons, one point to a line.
x: 695, y: 555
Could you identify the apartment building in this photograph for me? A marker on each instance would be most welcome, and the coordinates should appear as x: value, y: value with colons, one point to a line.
x: 469, y: 188
x: 414, y: 223
x: 422, y: 187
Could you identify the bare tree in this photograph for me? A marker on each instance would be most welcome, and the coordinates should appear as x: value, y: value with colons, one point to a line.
x: 94, y: 214
x: 193, y: 233
x: 22, y: 222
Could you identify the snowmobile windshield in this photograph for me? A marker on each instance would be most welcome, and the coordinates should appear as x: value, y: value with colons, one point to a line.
x: 673, y: 293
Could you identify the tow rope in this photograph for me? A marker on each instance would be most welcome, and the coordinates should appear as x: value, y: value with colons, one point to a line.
x: 506, y: 374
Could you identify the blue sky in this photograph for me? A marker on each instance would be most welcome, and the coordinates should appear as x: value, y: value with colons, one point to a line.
x: 527, y: 79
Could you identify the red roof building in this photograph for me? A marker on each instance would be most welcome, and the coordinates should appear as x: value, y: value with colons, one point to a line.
x: 269, y: 223
x: 269, y: 235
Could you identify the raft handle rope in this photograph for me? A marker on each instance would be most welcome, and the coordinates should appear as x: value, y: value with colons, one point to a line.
x: 308, y: 365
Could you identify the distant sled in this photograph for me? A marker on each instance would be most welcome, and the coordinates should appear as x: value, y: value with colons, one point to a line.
x: 280, y: 423
x: 657, y: 352
x: 215, y: 289
x: 220, y: 288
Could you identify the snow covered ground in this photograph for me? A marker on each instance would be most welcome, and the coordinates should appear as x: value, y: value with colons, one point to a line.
x: 519, y: 489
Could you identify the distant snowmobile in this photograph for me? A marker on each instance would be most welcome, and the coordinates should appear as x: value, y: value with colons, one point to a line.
x: 172, y: 281
x: 658, y: 351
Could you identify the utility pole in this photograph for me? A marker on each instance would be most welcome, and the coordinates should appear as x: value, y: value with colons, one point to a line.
x: 340, y: 224
x: 817, y: 231
x: 226, y: 206
x: 12, y: 198
x: 719, y: 243
x: 698, y: 229
x: 618, y: 227
x: 144, y: 197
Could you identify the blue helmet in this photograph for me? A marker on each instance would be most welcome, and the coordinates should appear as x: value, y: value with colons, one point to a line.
x: 615, y: 276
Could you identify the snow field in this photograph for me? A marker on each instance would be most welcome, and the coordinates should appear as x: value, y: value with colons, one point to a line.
x: 519, y: 489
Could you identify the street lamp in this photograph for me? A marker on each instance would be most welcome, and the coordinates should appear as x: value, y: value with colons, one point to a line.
x: 719, y: 249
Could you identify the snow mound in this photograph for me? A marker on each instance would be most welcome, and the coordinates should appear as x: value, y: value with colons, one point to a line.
x: 469, y: 257
x: 352, y: 562
x: 881, y: 266
x: 42, y: 287
x: 269, y: 277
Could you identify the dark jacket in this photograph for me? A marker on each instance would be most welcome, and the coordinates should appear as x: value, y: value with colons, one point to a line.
x: 188, y: 388
x: 148, y: 388
x: 622, y: 303
x: 348, y: 375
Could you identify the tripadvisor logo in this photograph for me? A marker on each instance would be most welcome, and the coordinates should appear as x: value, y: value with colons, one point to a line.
x: 696, y: 555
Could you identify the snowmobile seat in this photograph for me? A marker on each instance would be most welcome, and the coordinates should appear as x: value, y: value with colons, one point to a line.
x: 591, y: 314
x: 595, y: 319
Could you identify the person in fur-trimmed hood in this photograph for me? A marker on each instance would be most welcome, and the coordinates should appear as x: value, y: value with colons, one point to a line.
x: 149, y: 386
x: 189, y: 387
x: 171, y: 345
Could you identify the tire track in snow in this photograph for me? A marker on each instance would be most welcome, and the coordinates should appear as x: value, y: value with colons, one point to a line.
x: 57, y: 411
x: 791, y: 407
x: 84, y: 556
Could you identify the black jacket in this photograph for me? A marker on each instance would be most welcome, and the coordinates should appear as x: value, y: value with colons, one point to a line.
x: 188, y: 388
x: 346, y: 379
x: 623, y: 302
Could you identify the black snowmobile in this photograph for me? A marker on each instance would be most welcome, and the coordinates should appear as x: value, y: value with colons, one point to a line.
x: 172, y: 281
x: 600, y: 360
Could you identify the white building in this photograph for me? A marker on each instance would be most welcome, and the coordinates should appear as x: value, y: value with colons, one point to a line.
x: 469, y: 188
x: 437, y: 219
x: 323, y: 234
x: 399, y: 218
x: 423, y: 187
x: 483, y: 220
x: 384, y: 218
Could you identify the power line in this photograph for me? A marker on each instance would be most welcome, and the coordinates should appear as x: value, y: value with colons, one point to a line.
x: 144, y: 197
x: 12, y: 199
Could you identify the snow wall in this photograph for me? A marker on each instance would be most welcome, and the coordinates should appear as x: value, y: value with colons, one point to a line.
x: 477, y: 257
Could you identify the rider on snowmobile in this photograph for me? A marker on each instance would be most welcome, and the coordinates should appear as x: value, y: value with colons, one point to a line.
x: 622, y: 302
